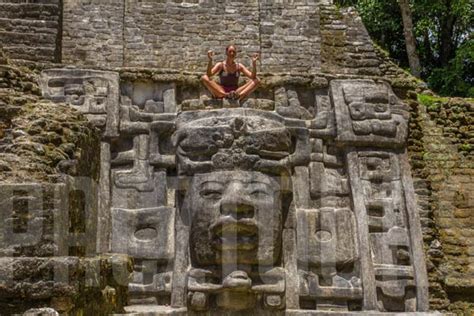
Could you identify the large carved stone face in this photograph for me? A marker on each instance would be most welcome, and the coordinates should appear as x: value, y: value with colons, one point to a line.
x: 236, y: 218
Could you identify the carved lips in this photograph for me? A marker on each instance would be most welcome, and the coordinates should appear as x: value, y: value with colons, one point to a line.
x: 231, y: 234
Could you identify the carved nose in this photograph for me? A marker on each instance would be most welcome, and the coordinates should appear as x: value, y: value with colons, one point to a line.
x: 237, y: 209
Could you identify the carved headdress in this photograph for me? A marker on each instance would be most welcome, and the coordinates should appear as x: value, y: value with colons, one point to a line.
x: 237, y: 139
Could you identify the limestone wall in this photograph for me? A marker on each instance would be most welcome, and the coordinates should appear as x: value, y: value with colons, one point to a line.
x: 93, y: 32
x: 292, y: 36
x: 301, y: 36
x: 440, y: 147
x: 177, y: 34
x: 31, y: 29
x: 346, y: 45
x: 48, y: 228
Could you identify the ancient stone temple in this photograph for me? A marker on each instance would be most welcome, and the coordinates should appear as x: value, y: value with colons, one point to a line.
x: 298, y: 200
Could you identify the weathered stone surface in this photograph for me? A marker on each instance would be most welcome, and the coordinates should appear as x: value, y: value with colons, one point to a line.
x: 40, y: 138
x: 144, y: 233
x: 41, y: 311
x: 326, y: 237
x: 32, y: 223
x: 369, y: 114
x: 297, y: 200
x: 67, y: 284
x: 243, y: 176
x: 94, y: 93
x: 230, y: 186
x: 442, y: 169
x: 48, y: 208
x: 136, y: 34
x: 31, y: 30
x: 298, y: 37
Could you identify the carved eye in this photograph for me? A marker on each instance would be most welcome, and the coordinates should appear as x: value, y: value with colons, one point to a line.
x: 211, y: 194
x: 258, y: 193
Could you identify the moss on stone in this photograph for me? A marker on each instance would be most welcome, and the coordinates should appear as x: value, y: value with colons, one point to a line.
x: 440, y: 146
x: 431, y: 102
x: 33, y: 131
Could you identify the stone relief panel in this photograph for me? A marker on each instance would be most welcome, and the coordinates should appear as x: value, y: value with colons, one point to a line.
x: 144, y: 233
x: 296, y: 200
x: 142, y: 203
x: 94, y: 93
x: 148, y: 236
x: 369, y: 113
x: 388, y: 231
x: 290, y: 102
x: 237, y: 163
x: 46, y: 220
x: 32, y: 222
x: 328, y: 256
x: 150, y: 97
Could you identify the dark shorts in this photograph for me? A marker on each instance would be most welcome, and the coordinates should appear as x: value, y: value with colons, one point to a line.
x: 228, y: 89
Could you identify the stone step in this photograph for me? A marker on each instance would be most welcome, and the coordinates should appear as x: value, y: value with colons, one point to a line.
x: 34, y: 39
x: 34, y: 11
x: 294, y: 312
x: 157, y: 310
x: 154, y: 310
x: 45, y: 54
x: 46, y: 26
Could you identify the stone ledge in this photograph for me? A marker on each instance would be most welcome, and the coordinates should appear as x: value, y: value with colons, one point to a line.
x: 154, y: 310
x: 73, y: 285
x: 296, y: 312
x: 157, y: 310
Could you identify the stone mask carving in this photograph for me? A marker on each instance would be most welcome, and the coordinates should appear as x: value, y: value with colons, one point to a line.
x: 272, y: 212
x: 235, y: 202
x: 234, y: 209
x: 236, y: 217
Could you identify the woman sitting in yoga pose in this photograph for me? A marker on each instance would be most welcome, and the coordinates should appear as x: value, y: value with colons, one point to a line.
x: 229, y: 73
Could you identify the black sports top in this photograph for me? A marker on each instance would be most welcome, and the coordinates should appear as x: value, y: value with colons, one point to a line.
x: 229, y: 79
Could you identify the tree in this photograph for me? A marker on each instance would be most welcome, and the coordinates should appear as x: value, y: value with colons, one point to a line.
x: 458, y: 77
x: 448, y: 23
x: 410, y: 41
x: 443, y: 34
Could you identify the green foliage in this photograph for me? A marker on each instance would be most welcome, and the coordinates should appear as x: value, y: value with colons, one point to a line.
x: 444, y: 32
x: 438, y: 23
x: 345, y: 3
x: 465, y: 148
x: 458, y: 77
x: 430, y: 102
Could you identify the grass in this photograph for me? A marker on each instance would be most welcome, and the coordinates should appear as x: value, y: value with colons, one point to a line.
x: 431, y: 102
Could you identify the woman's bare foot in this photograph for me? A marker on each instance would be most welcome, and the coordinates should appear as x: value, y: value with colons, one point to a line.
x: 233, y: 95
x: 236, y: 95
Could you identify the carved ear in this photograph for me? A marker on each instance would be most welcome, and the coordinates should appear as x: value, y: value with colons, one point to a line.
x: 286, y: 184
x: 183, y: 184
x: 302, y: 149
x: 177, y: 137
x: 289, y: 210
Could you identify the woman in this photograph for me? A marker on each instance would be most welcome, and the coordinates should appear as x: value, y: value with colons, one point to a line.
x: 229, y: 73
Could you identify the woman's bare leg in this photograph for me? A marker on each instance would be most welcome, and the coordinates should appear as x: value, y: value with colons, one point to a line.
x: 248, y: 88
x: 243, y: 87
x: 215, y: 88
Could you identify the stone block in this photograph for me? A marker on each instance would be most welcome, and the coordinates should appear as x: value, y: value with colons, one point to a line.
x: 34, y: 220
x: 326, y: 237
x: 92, y: 92
x: 368, y: 114
x: 63, y: 282
x: 144, y: 233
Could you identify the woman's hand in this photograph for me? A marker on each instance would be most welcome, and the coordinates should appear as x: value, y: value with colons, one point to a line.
x: 255, y: 57
x: 210, y: 55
